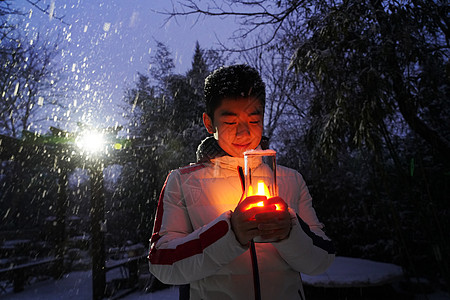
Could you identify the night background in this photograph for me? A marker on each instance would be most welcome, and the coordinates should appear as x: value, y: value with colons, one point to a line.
x: 358, y: 101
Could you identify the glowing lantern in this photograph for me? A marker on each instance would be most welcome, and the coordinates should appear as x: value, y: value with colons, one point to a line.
x: 261, y: 177
x: 260, y: 173
x: 261, y: 180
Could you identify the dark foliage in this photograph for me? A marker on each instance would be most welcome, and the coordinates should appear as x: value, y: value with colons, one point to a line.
x: 165, y: 113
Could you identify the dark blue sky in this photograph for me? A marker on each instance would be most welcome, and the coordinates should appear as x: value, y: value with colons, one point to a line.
x: 104, y: 45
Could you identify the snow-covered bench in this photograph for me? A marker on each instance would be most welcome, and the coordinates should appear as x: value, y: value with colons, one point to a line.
x: 18, y: 274
x: 355, y: 272
x: 129, y: 269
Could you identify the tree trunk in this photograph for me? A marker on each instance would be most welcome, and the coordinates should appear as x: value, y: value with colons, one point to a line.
x: 402, y: 96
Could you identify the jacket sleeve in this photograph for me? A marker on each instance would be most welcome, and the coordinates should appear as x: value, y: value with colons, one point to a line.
x: 307, y: 249
x: 179, y: 254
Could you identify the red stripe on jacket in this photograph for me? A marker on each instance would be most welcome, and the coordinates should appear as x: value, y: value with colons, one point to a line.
x: 182, y: 251
x: 190, y: 248
x: 191, y: 168
x: 159, y: 213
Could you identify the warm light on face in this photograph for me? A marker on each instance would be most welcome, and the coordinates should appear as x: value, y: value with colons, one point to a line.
x: 91, y: 142
x: 238, y: 125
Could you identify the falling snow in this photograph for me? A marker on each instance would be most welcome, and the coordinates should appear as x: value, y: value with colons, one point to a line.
x: 80, y: 59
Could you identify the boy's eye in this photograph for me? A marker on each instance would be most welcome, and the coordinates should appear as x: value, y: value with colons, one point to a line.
x: 255, y: 121
x: 229, y: 123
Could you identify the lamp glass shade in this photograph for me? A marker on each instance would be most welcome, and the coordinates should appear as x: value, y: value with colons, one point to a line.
x: 260, y: 173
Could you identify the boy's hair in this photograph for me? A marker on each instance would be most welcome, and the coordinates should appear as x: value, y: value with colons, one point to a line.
x: 236, y: 81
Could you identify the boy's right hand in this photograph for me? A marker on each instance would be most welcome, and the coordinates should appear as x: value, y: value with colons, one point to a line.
x: 243, y: 222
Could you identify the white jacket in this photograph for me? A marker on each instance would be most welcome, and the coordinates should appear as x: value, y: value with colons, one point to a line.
x: 193, y: 243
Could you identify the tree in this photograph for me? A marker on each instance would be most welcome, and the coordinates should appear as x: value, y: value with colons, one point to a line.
x: 185, y: 94
x: 165, y: 117
x: 27, y: 78
x: 5, y: 12
x: 199, y: 70
x: 387, y: 53
x: 281, y: 88
x: 374, y: 76
x: 162, y: 66
x: 141, y: 178
x: 26, y: 84
x: 253, y: 16
x: 345, y: 49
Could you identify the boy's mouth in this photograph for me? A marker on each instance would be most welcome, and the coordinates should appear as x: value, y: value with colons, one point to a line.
x: 242, y: 146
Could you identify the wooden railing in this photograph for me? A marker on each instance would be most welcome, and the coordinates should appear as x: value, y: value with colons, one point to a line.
x: 120, y: 288
x: 19, y: 274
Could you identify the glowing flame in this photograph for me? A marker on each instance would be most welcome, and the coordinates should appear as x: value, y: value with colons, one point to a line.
x: 262, y: 190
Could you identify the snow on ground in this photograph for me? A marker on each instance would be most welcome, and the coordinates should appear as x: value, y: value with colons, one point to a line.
x: 355, y: 272
x: 343, y: 272
x: 76, y: 286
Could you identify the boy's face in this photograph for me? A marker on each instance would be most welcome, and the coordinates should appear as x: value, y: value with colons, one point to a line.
x: 237, y: 125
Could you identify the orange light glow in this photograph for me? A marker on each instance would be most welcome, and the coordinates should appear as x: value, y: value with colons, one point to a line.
x: 259, y: 204
x: 262, y: 190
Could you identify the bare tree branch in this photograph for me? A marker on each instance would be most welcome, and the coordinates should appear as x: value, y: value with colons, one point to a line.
x: 49, y: 10
x: 251, y: 15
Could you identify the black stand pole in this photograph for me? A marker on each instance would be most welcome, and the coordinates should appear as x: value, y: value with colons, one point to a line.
x: 97, y: 232
x: 61, y: 223
x: 256, y: 283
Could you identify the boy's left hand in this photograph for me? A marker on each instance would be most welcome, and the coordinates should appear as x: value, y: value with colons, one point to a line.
x: 274, y: 225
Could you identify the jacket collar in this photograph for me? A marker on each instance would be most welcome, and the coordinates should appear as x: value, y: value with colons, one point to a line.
x: 209, y: 151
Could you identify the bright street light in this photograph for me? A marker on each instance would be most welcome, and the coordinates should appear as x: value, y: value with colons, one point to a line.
x: 91, y: 142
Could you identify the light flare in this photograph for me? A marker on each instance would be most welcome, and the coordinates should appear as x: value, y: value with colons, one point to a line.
x: 91, y: 142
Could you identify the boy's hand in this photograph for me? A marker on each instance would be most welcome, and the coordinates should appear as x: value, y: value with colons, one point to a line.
x: 274, y: 225
x: 243, y: 224
x: 266, y: 221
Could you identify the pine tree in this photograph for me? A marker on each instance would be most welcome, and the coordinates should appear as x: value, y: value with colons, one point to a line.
x: 199, y: 70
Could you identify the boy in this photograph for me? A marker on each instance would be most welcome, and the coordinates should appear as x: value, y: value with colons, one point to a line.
x: 202, y: 235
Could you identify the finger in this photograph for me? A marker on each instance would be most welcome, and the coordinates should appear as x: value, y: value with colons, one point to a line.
x: 272, y: 237
x: 271, y: 216
x: 242, y: 214
x: 274, y: 226
x: 250, y: 202
x: 268, y: 235
x: 274, y: 234
x: 271, y: 226
x: 247, y: 215
x: 250, y: 234
x: 253, y: 199
x: 277, y: 200
x: 252, y: 212
x: 249, y: 226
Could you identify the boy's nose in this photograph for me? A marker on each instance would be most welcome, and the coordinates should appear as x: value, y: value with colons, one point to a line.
x: 242, y: 129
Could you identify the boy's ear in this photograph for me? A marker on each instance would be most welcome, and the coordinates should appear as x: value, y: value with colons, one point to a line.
x: 208, y: 123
